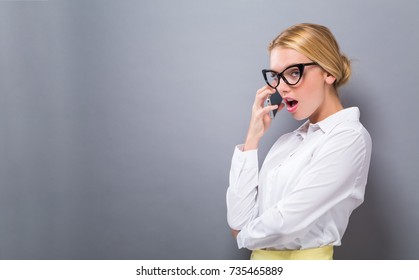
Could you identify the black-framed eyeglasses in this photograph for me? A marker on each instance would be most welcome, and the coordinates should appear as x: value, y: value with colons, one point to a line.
x: 291, y: 75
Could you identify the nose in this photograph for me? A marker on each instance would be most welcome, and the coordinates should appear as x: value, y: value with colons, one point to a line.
x: 283, y: 88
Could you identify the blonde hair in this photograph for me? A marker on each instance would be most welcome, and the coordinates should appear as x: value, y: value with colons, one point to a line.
x: 318, y: 44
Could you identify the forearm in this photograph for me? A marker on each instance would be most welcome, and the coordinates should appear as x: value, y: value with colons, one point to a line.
x: 242, y: 191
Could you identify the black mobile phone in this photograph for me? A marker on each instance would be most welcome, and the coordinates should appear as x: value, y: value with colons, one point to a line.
x: 273, y: 99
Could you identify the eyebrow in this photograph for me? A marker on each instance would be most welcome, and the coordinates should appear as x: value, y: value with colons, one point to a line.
x: 289, y: 65
x: 294, y: 64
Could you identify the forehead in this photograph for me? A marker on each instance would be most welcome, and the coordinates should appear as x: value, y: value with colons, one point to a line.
x: 281, y: 58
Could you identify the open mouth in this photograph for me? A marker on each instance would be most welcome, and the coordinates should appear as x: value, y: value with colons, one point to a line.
x: 291, y: 104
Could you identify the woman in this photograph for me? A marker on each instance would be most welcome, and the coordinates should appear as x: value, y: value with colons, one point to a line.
x: 298, y: 205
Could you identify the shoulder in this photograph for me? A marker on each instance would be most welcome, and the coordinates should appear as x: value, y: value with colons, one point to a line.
x: 351, y: 130
x: 348, y: 143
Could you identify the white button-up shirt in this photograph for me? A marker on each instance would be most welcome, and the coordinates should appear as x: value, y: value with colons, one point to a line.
x: 310, y: 182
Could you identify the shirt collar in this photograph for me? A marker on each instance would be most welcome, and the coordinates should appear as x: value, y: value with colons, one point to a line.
x: 326, y: 125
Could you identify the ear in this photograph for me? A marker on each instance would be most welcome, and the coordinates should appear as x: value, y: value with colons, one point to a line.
x: 329, y: 79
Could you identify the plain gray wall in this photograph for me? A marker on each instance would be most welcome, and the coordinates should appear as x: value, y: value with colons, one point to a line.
x: 118, y: 121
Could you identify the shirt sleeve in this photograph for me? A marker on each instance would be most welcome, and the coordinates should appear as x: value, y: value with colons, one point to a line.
x: 332, y: 177
x: 242, y: 191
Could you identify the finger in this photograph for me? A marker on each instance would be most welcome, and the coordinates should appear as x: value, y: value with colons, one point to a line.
x: 263, y: 94
x: 267, y: 109
x: 265, y: 87
x: 281, y: 106
x: 267, y: 121
x: 234, y: 232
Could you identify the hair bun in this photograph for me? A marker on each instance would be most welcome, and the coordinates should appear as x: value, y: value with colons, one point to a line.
x: 346, y: 71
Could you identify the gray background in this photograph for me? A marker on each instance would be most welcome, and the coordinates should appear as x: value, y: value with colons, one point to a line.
x: 118, y: 121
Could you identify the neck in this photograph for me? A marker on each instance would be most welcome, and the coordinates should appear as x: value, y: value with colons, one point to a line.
x: 330, y: 106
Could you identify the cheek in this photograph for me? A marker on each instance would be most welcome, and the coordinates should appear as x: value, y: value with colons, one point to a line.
x: 312, y: 93
x: 311, y: 97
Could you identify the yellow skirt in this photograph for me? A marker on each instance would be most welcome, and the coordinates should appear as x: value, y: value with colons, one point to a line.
x: 322, y: 253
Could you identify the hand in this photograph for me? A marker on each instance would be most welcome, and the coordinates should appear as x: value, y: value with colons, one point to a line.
x: 234, y: 233
x: 260, y: 120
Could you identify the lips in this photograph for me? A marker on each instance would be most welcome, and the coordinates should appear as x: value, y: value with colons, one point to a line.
x: 292, y: 104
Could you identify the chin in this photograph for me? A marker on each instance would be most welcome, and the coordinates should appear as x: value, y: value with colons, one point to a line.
x: 300, y: 117
x: 301, y: 114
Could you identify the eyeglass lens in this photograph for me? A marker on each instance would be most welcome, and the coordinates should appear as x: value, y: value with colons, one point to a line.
x: 291, y: 76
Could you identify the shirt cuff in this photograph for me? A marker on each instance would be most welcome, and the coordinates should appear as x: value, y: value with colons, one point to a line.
x: 247, y: 159
x: 240, y: 239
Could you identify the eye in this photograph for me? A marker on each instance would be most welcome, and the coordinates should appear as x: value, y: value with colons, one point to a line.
x: 295, y: 73
x: 273, y: 76
x: 292, y: 73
